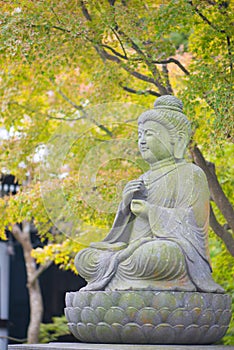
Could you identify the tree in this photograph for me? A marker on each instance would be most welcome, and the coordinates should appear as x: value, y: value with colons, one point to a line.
x: 35, y: 297
x: 56, y: 57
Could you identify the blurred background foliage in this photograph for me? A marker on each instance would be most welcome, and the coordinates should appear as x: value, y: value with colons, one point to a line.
x: 59, y: 58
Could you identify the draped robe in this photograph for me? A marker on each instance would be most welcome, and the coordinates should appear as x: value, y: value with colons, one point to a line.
x: 167, y: 249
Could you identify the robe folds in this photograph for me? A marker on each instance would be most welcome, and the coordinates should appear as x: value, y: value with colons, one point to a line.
x: 167, y: 249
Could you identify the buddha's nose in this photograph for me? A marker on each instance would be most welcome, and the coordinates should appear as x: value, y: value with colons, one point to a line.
x: 142, y: 139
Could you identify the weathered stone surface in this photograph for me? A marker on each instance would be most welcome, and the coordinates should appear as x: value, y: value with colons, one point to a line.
x: 149, y: 281
x: 83, y: 346
x: 159, y: 237
x: 148, y: 317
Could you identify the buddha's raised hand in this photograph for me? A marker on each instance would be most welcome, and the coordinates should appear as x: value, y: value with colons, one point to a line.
x: 132, y: 188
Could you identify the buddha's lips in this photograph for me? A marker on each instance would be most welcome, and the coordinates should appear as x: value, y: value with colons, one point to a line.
x: 143, y: 149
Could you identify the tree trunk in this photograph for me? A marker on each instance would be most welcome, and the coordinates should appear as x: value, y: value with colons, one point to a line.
x: 36, y: 312
x: 35, y: 298
x: 219, y: 197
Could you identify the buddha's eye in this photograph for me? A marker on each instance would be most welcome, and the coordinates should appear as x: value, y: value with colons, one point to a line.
x: 149, y: 133
x: 152, y: 133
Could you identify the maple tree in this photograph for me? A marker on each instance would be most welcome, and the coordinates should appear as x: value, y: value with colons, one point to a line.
x: 60, y: 59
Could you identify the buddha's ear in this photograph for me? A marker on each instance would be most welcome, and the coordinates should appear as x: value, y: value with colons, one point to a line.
x: 180, y: 145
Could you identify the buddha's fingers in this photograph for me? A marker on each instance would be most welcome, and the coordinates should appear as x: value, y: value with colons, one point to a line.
x: 134, y: 185
x: 134, y: 182
x: 132, y: 189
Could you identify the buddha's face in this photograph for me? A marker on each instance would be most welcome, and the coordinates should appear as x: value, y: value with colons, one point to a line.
x: 154, y: 142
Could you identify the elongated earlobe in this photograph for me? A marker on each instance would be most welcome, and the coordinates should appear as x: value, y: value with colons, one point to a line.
x: 180, y: 146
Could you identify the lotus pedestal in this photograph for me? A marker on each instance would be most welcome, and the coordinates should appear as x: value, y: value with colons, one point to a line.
x: 148, y: 317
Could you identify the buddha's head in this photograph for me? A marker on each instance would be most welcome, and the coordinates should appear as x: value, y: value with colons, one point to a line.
x: 164, y: 131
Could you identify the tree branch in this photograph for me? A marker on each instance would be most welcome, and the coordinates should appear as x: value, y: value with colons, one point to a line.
x: 114, y: 51
x: 155, y: 72
x: 157, y: 81
x: 139, y: 75
x: 135, y: 74
x: 205, y: 19
x: 56, y: 16
x: 53, y: 27
x: 119, y: 40
x: 221, y: 232
x: 126, y: 68
x: 85, y: 11
x: 117, y: 58
x: 102, y: 127
x: 62, y: 29
x: 229, y: 52
x: 111, y: 2
x: 168, y: 83
x: 26, y: 108
x: 213, y: 3
x: 125, y: 57
x: 38, y: 272
x: 216, y: 190
x: 99, y: 47
x: 140, y: 92
x: 80, y: 108
x: 84, y: 116
x: 65, y: 119
x: 17, y: 232
x: 173, y: 60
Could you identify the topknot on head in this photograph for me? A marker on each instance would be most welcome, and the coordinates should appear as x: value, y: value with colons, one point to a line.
x: 169, y: 102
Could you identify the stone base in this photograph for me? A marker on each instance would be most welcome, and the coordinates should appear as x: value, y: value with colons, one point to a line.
x: 148, y: 317
x: 79, y: 346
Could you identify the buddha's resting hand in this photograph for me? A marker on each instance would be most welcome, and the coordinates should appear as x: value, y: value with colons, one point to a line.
x: 130, y: 189
x: 139, y: 207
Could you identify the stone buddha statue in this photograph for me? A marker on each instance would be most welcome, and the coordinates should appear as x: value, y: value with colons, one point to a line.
x: 159, y: 237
